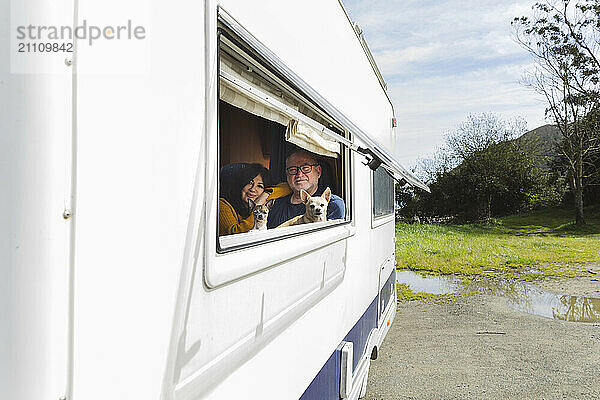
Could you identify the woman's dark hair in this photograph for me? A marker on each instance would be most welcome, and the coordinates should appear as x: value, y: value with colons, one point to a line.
x: 233, y: 194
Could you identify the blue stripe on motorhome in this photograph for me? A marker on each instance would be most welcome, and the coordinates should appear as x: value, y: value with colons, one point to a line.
x: 359, y: 334
x: 326, y: 385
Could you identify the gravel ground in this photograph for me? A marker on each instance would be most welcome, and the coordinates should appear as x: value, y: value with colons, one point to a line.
x: 479, y: 348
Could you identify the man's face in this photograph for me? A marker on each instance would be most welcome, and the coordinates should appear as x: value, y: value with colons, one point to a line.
x: 303, y: 180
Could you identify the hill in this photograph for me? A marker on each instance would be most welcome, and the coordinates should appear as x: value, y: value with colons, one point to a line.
x: 542, y: 142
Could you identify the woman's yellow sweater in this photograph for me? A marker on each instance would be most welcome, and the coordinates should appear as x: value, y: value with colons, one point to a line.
x: 229, y: 220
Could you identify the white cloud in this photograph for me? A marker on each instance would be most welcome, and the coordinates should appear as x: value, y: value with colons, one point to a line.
x: 397, y: 60
x: 445, y: 59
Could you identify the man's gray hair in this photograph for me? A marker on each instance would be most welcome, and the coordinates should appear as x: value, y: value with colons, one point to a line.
x: 303, y: 152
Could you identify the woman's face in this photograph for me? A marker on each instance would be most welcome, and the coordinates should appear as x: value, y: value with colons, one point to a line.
x: 253, y: 189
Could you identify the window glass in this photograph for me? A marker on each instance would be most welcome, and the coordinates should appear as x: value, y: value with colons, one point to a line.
x: 383, y: 193
x: 264, y: 125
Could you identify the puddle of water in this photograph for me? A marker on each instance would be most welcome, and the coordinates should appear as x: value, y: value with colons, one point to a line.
x: 520, y: 296
x: 532, y: 271
x: 429, y: 283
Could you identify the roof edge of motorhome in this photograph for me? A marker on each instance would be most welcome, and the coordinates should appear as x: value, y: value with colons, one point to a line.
x: 361, y: 39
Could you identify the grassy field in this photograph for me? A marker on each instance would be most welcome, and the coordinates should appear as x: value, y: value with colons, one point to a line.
x: 528, y: 246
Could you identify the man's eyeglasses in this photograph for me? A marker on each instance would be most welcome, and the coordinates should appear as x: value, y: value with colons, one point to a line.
x: 306, y: 168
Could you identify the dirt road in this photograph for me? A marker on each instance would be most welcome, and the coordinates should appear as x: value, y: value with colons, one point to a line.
x: 479, y: 348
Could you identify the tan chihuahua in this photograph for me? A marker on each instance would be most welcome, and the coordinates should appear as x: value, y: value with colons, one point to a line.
x: 261, y: 213
x: 316, y: 209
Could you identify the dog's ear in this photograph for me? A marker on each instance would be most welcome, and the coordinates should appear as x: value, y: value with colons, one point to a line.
x: 304, y: 196
x: 251, y: 204
x: 327, y: 194
x: 269, y: 204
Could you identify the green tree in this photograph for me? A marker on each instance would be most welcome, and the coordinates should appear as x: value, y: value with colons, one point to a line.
x: 563, y: 38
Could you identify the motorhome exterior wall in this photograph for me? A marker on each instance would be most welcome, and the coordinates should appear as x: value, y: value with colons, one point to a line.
x: 35, y: 172
x: 145, y: 323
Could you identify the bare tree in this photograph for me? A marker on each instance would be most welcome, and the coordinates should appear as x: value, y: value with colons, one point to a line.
x: 564, y: 38
x: 473, y: 135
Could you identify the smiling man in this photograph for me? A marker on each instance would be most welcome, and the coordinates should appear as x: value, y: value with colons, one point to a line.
x: 303, y: 172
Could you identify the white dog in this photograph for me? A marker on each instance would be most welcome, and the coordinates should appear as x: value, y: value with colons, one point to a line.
x: 316, y: 209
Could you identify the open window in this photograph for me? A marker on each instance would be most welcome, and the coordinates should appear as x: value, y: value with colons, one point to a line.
x: 262, y: 119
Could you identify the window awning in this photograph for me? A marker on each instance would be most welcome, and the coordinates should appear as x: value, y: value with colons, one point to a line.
x: 273, y: 100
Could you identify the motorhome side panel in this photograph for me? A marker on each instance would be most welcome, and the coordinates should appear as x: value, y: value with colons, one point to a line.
x: 35, y: 199
x: 158, y: 310
x: 140, y: 194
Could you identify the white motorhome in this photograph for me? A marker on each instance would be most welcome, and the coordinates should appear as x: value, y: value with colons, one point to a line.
x: 114, y: 281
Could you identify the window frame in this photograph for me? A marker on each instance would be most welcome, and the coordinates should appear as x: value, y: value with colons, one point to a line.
x: 236, y: 242
x: 378, y: 220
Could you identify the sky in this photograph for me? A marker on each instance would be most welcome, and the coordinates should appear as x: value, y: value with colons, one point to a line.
x: 445, y: 59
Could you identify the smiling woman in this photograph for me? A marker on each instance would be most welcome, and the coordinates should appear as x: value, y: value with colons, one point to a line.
x: 234, y: 211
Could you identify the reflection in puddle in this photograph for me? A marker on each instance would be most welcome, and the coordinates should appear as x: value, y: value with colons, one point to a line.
x: 429, y: 283
x: 521, y: 296
x: 563, y: 307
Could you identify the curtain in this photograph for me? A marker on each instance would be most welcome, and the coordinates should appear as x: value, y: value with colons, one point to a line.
x: 298, y: 132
